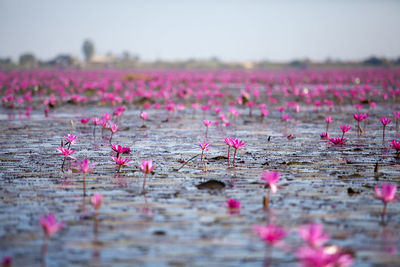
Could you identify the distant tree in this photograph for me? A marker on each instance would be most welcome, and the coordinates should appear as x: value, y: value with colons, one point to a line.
x: 27, y: 60
x: 375, y: 61
x: 88, y: 50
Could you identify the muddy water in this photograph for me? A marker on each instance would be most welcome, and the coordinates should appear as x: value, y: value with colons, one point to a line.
x: 177, y: 224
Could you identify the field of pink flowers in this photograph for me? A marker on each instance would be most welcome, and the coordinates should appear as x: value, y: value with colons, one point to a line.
x: 200, y: 168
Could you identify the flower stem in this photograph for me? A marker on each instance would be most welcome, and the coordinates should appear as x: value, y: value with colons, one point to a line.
x: 84, y: 184
x: 229, y: 150
x: 234, y: 156
x: 144, y: 183
x: 384, y: 212
x: 383, y: 134
x: 62, y: 166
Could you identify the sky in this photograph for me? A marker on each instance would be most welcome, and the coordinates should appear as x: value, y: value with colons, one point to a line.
x: 235, y: 30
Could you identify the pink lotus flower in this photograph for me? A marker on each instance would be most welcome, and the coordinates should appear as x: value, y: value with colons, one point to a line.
x: 66, y: 152
x: 385, y: 121
x: 328, y: 120
x: 233, y: 203
x: 328, y: 256
x: 96, y: 121
x: 144, y: 115
x: 84, y: 120
x: 207, y: 123
x: 286, y: 117
x: 271, y: 178
x: 106, y: 117
x: 121, y: 162
x: 70, y: 139
x: 313, y: 234
x: 395, y: 145
x: 324, y: 135
x: 387, y: 192
x: 114, y: 128
x: 204, y: 146
x: 360, y: 116
x: 96, y: 200
x: 50, y: 225
x: 85, y: 166
x: 117, y: 148
x: 147, y: 166
x: 229, y: 142
x: 271, y: 234
x: 120, y: 149
x: 233, y: 206
x: 237, y: 144
x: 345, y: 128
x: 337, y: 141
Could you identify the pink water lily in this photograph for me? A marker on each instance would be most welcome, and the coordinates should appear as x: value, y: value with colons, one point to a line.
x: 271, y: 178
x: 385, y: 122
x: 271, y: 234
x: 84, y: 120
x: 387, y: 193
x: 96, y: 200
x: 345, y: 128
x: 233, y: 206
x: 396, y: 146
x: 113, y: 129
x: 229, y: 142
x: 359, y: 117
x: 147, y: 167
x: 66, y: 152
x: 338, y: 141
x: 207, y: 123
x: 85, y: 167
x: 323, y: 257
x: 313, y: 234
x: 121, y: 162
x: 324, y: 135
x: 204, y: 146
x: 236, y: 144
x: 50, y: 224
x: 70, y: 139
x: 144, y: 116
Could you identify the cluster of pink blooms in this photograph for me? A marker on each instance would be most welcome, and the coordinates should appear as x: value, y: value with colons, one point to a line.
x: 359, y: 117
x: 236, y: 144
x: 313, y: 253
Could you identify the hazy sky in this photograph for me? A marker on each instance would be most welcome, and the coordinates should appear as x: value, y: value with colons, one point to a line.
x: 179, y: 29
